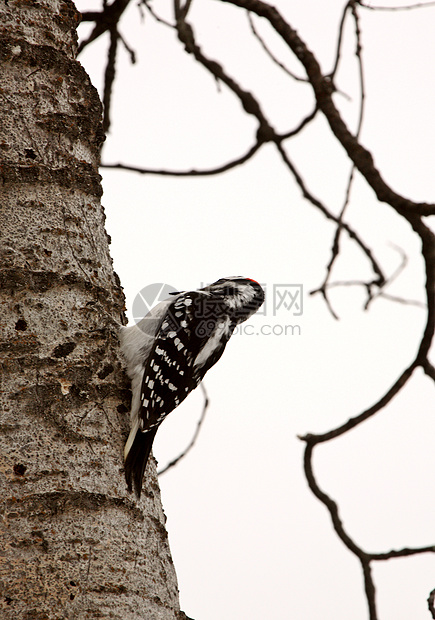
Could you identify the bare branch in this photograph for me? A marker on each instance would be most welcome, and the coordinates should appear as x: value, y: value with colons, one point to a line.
x: 128, y: 49
x: 402, y: 553
x: 431, y: 603
x: 109, y: 77
x: 90, y: 16
x: 364, y: 557
x: 379, y: 281
x: 105, y: 20
x: 374, y: 291
x: 323, y: 91
x: 188, y: 173
x: 409, y: 7
x: 400, y: 300
x: 370, y: 295
x: 429, y: 369
x: 340, y: 40
x: 368, y: 413
x: 155, y: 16
x: 369, y: 588
x: 265, y: 132
x: 194, y: 438
x: 326, y: 500
x: 399, y: 269
x: 339, y: 529
x: 428, y: 242
x: 304, y: 122
x: 270, y: 53
x: 186, y: 35
x: 219, y: 169
x: 336, y: 242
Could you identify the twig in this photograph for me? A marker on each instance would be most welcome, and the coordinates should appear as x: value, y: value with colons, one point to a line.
x: 368, y: 413
x: 265, y: 132
x: 158, y: 19
x: 371, y: 296
x: 104, y: 20
x: 194, y: 438
x: 401, y: 553
x: 270, y: 53
x: 128, y: 49
x: 109, y: 77
x: 219, y: 169
x: 338, y: 527
x: 408, y: 7
x: 335, y: 251
x: 187, y: 173
x: 429, y: 369
x: 390, y: 280
x: 380, y: 279
x: 304, y: 122
x: 339, y: 41
x: 431, y: 603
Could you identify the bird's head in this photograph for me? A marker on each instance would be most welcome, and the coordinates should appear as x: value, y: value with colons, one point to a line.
x: 241, y: 296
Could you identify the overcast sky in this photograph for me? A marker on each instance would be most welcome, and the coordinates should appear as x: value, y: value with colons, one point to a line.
x: 248, y: 538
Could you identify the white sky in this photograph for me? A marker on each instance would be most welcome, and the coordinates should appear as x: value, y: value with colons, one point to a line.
x: 249, y: 540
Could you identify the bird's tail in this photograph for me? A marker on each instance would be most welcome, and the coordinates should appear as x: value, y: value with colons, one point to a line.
x: 137, y: 457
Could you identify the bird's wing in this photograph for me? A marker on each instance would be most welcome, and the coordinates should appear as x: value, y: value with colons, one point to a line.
x: 190, y: 339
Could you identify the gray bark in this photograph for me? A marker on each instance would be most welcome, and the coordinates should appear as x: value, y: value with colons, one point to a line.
x: 73, y: 543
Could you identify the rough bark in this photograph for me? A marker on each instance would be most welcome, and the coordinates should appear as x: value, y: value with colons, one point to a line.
x: 73, y: 543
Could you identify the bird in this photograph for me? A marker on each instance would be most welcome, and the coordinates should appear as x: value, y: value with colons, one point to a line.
x: 170, y: 350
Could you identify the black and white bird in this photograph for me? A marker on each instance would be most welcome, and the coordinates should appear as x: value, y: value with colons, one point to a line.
x: 169, y: 351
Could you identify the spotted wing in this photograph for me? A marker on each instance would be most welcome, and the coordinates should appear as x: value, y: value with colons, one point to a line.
x: 171, y: 373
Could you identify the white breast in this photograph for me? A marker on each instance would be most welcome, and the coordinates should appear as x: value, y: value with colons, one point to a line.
x: 213, y: 343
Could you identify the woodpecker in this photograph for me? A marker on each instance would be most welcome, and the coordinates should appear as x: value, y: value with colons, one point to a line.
x: 169, y: 351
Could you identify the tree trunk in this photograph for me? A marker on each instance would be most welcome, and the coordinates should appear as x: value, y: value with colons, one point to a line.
x: 73, y: 544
